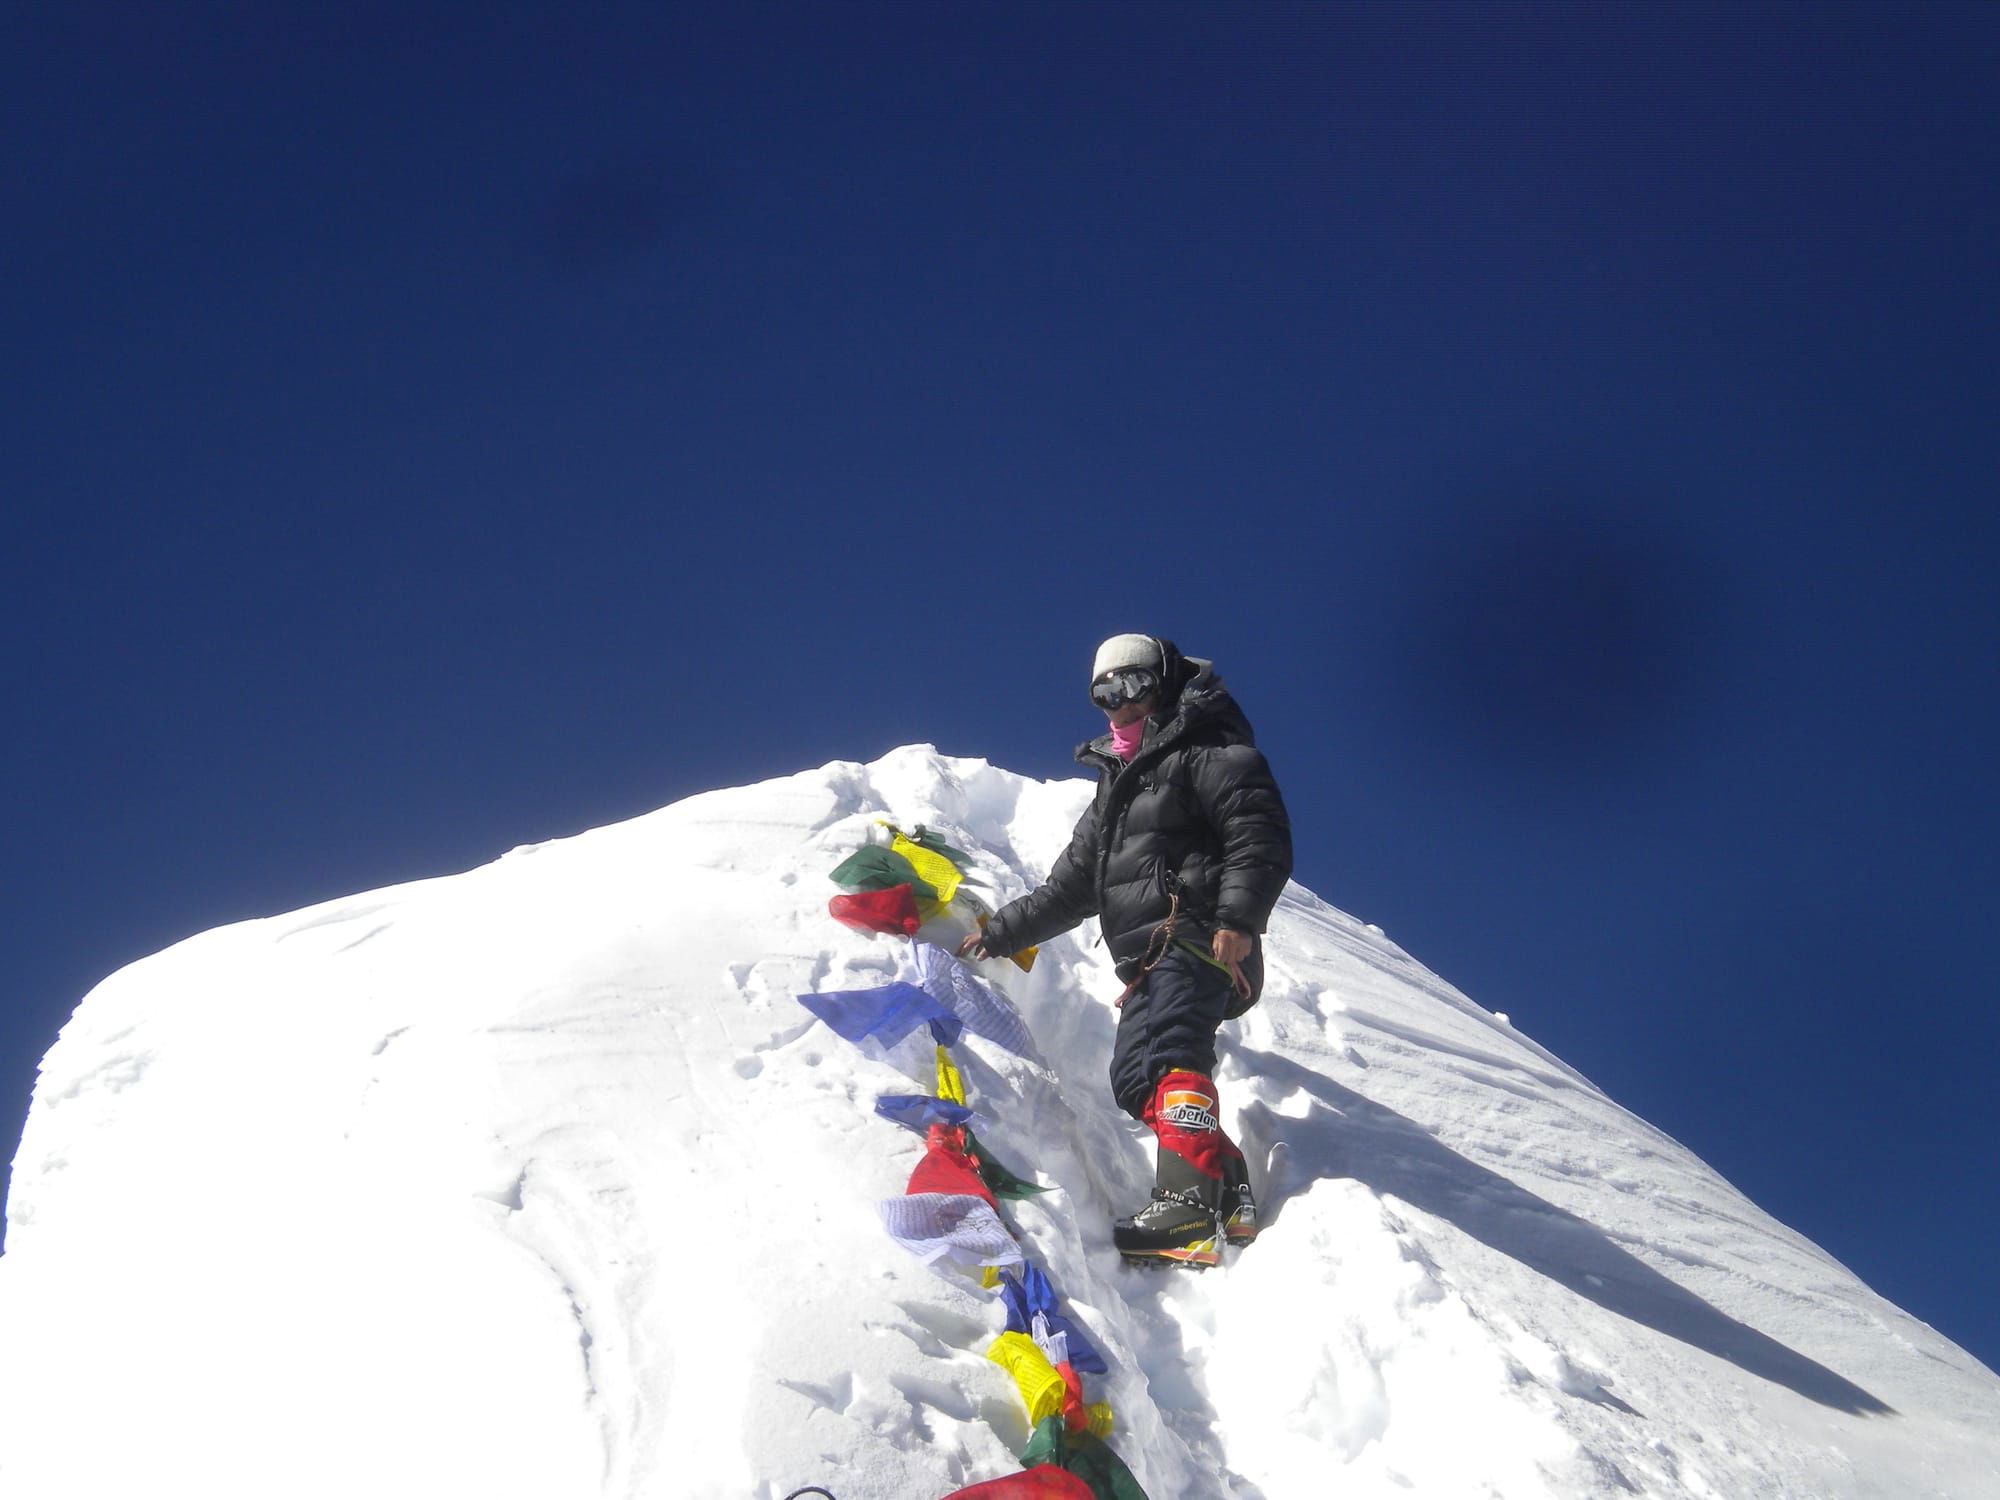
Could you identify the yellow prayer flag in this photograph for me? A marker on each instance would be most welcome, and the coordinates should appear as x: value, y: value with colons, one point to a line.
x: 950, y: 1086
x: 1041, y: 1387
x: 931, y: 867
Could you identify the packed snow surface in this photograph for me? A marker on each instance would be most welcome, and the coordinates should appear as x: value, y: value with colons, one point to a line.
x: 538, y: 1181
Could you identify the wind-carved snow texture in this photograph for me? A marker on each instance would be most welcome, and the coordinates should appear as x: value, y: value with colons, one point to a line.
x: 537, y: 1181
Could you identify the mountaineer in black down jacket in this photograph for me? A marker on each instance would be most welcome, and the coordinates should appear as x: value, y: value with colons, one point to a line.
x: 1182, y: 854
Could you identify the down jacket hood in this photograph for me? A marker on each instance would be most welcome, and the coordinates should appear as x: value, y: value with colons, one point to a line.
x: 1192, y: 696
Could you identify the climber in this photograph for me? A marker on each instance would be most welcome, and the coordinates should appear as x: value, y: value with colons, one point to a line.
x: 1182, y: 854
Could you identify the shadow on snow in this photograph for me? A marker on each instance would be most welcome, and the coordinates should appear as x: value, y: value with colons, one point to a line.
x: 1347, y: 1135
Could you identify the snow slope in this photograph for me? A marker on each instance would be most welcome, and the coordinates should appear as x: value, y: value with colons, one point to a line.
x: 537, y: 1181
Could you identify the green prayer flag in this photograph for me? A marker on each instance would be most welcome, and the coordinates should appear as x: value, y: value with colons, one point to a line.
x: 999, y: 1181
x: 1083, y: 1455
x: 873, y: 868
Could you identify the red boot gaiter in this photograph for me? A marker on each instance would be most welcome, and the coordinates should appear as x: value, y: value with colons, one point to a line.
x: 1186, y: 1115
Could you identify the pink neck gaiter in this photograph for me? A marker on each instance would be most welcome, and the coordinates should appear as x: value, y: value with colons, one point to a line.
x: 1125, y: 739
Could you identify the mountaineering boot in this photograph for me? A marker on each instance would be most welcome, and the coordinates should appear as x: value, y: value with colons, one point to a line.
x: 1239, y: 1204
x: 1179, y: 1225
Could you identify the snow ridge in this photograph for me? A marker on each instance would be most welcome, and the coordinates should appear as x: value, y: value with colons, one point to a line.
x: 537, y: 1181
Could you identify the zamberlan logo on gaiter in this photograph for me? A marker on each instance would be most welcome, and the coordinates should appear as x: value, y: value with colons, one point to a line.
x: 1189, y: 1109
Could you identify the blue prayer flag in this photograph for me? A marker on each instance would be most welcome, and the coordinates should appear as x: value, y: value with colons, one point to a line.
x: 887, y: 1014
x: 1032, y: 1292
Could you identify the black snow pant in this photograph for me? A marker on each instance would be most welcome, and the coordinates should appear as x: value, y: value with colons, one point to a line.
x: 1169, y: 1022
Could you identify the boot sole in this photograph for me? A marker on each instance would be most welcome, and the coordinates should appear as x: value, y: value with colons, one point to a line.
x: 1196, y: 1257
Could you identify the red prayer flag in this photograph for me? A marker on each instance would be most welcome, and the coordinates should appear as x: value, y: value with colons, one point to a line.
x: 893, y: 911
x: 1075, y: 1418
x: 1043, y: 1482
x: 946, y: 1168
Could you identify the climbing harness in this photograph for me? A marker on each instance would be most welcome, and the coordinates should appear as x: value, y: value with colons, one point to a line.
x: 1164, y: 936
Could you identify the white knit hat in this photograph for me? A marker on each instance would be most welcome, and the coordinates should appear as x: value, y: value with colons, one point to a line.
x: 1127, y: 651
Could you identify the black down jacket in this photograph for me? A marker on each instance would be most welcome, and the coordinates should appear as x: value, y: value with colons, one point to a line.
x: 1197, y: 810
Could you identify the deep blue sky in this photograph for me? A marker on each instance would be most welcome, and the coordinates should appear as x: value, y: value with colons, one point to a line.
x: 1571, y: 430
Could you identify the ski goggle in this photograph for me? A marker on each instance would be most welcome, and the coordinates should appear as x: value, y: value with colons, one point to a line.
x: 1126, y: 685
